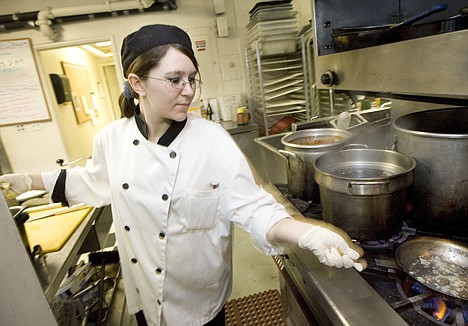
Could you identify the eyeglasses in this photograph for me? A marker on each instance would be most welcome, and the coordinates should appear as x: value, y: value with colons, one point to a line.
x: 178, y: 83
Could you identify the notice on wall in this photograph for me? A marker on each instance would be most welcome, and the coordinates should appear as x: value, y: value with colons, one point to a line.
x: 21, y: 95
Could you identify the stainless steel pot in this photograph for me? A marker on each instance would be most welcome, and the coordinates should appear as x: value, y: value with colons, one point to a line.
x: 438, y: 141
x: 363, y: 191
x: 301, y: 150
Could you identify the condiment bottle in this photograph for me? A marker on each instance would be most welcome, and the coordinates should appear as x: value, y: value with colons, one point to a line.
x: 242, y: 116
x: 209, y: 112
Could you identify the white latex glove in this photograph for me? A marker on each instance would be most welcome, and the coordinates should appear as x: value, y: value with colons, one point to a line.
x: 330, y: 248
x: 19, y: 183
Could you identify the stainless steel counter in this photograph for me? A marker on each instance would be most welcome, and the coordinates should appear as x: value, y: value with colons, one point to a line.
x: 233, y: 128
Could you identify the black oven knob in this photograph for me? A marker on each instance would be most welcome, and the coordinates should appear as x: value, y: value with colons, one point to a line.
x: 328, y: 78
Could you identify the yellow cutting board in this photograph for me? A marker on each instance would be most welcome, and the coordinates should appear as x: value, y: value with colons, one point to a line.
x: 52, y: 232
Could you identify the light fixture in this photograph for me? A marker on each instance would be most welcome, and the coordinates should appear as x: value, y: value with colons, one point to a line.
x: 96, y: 51
x: 103, y: 44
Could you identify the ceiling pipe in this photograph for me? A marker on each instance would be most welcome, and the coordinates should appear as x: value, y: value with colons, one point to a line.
x: 45, y: 18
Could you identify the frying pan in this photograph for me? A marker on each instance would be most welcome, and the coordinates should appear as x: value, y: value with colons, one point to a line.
x: 348, y: 38
x: 439, y: 264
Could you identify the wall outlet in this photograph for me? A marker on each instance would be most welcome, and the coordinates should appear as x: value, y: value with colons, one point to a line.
x: 36, y: 126
x: 21, y: 128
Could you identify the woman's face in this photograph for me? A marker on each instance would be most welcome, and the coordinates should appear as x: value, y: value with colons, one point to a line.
x: 161, y: 100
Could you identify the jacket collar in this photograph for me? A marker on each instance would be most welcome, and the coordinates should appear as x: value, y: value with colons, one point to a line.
x: 174, y: 129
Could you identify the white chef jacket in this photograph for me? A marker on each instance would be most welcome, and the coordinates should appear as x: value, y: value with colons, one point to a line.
x: 172, y: 209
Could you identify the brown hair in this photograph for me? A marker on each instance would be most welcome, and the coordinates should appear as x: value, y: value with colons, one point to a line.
x: 142, y: 65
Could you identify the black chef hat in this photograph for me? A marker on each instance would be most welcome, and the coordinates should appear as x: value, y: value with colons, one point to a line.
x: 149, y: 37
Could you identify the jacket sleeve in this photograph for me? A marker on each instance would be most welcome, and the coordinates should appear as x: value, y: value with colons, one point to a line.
x: 58, y: 194
x: 251, y: 207
x: 89, y: 185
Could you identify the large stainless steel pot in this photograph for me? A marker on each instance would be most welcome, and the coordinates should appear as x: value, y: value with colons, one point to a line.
x: 438, y: 140
x: 364, y: 191
x: 301, y: 150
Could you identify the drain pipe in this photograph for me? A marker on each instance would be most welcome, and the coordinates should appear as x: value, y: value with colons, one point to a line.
x: 45, y: 16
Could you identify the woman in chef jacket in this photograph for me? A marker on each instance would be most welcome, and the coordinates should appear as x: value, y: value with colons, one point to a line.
x: 175, y: 183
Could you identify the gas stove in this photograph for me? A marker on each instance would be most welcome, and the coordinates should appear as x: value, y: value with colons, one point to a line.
x: 383, y: 290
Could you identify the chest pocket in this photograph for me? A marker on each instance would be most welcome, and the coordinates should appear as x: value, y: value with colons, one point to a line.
x: 199, y: 209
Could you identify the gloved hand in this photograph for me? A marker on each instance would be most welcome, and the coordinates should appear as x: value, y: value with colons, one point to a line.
x: 19, y: 183
x: 330, y: 248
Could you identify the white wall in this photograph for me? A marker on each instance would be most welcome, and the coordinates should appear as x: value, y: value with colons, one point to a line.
x: 223, y: 69
x: 77, y: 137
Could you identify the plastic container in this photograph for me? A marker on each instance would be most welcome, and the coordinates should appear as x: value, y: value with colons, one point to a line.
x: 343, y: 120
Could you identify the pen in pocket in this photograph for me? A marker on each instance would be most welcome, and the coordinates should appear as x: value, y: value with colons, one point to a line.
x: 214, y: 184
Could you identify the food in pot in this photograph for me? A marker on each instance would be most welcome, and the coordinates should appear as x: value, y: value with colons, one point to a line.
x: 446, y: 277
x: 313, y: 141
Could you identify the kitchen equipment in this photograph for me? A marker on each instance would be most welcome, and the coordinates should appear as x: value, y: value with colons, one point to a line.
x: 364, y: 191
x: 301, y: 149
x: 438, y: 141
x: 348, y: 38
x: 315, y: 293
x: 39, y: 261
x: 439, y: 264
x: 20, y: 217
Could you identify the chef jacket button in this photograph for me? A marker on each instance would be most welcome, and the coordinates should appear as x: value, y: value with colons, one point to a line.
x: 134, y: 260
x: 173, y: 155
x: 161, y: 235
x: 127, y: 228
x: 165, y: 197
x: 159, y: 302
x: 136, y: 142
x: 125, y: 186
x: 158, y: 271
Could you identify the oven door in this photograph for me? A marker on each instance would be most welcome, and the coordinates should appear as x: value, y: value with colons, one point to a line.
x: 295, y: 310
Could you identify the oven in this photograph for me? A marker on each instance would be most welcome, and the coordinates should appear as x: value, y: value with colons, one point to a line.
x: 422, y: 71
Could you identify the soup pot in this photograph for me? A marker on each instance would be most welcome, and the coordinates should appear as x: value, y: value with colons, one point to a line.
x: 364, y: 191
x: 301, y: 150
x: 438, y: 141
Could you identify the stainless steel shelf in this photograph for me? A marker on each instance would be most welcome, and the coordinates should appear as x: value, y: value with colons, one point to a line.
x: 279, y: 85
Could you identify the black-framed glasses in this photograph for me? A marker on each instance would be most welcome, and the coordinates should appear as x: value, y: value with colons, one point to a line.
x: 179, y: 83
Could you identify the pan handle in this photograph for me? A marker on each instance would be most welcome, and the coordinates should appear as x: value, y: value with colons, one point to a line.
x: 368, y: 188
x: 422, y: 15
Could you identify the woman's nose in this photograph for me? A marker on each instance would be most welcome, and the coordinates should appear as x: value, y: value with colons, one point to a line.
x: 187, y: 89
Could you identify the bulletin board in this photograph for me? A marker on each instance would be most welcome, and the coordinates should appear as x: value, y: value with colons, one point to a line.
x: 22, y: 98
x: 81, y: 90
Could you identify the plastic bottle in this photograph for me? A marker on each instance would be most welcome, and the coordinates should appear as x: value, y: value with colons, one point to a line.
x: 209, y: 112
x: 202, y: 110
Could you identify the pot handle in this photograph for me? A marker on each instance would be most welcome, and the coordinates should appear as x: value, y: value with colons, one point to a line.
x: 288, y: 155
x: 395, y: 144
x: 368, y: 188
x: 355, y: 146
